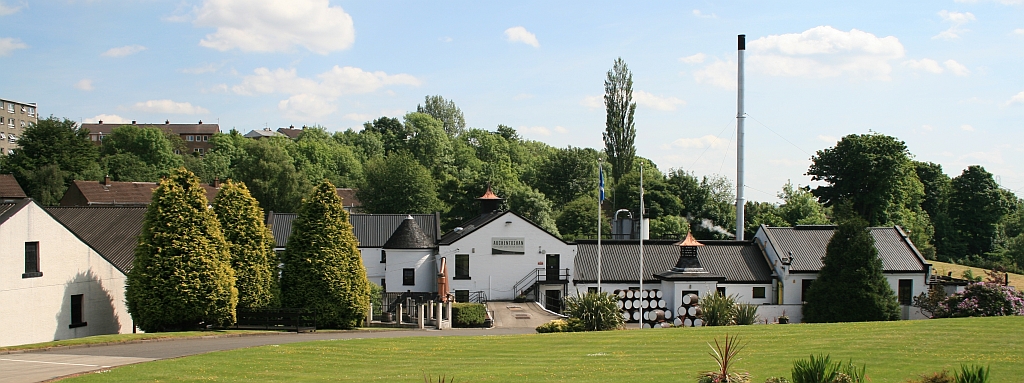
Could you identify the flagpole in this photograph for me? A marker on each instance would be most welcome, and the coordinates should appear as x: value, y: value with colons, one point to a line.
x: 600, y: 199
x: 641, y: 244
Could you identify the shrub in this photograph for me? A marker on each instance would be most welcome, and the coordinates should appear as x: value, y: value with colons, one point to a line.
x: 937, y: 377
x: 746, y: 314
x: 821, y: 369
x: 595, y: 311
x: 719, y: 310
x: 971, y: 374
x: 468, y: 314
x: 929, y: 302
x: 776, y: 379
x: 725, y: 356
x: 561, y: 325
x: 982, y: 299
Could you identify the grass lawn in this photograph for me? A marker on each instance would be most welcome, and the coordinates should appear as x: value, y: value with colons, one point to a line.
x: 941, y: 268
x: 121, y: 338
x: 892, y: 351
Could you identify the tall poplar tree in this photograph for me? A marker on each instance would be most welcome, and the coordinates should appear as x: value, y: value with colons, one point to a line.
x: 181, y: 276
x: 620, y: 133
x: 850, y: 286
x: 323, y: 269
x: 250, y: 244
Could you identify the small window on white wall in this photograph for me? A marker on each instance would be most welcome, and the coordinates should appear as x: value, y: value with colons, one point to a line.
x: 759, y: 292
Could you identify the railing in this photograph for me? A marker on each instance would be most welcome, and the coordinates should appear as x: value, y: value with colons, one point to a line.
x: 477, y: 297
x: 538, y: 275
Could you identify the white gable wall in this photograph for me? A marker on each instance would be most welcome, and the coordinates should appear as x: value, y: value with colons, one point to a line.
x: 38, y: 309
x: 497, y: 274
x: 420, y: 260
x: 371, y: 261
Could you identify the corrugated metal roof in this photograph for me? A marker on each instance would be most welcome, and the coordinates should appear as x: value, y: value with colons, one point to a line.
x: 620, y: 260
x: 4, y: 207
x: 806, y: 246
x: 469, y: 226
x: 372, y: 230
x: 9, y: 187
x: 113, y: 231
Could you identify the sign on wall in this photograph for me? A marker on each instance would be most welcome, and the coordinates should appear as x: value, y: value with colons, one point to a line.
x: 508, y: 245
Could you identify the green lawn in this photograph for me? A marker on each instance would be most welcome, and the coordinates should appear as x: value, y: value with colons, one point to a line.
x: 122, y: 338
x: 892, y: 351
x: 942, y: 268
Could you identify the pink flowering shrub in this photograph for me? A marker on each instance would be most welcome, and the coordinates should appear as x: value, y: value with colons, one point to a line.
x: 982, y: 300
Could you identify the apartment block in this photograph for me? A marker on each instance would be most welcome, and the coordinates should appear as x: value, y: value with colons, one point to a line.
x: 14, y: 118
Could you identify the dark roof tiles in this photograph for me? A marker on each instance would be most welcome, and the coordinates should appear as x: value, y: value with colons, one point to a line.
x: 9, y: 187
x: 409, y: 236
x: 804, y: 246
x: 112, y: 231
x: 372, y: 230
x: 737, y: 261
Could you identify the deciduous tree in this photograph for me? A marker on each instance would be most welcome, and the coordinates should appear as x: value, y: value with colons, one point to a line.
x: 323, y: 269
x: 53, y: 153
x: 181, y: 276
x: 133, y: 153
x: 269, y: 172
x: 975, y: 206
x: 444, y: 111
x: 398, y: 184
x: 620, y: 132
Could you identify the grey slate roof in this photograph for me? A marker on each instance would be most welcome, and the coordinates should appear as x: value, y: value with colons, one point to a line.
x: 7, y: 210
x: 409, y: 236
x: 808, y: 244
x: 482, y: 220
x: 113, y: 231
x: 372, y: 230
x: 737, y: 261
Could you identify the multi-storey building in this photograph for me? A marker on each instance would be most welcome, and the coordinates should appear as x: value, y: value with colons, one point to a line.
x: 14, y: 118
x: 196, y: 136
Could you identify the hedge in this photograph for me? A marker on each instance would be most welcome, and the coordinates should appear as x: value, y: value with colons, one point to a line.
x: 468, y: 314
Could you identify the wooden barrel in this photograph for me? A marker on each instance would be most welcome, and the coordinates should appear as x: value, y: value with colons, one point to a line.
x: 688, y: 322
x: 636, y: 315
x: 668, y: 313
x: 677, y: 322
x: 625, y: 315
x: 662, y: 304
x: 698, y: 322
x: 645, y: 304
x: 619, y: 304
x: 694, y: 299
x: 697, y: 312
x: 628, y: 305
x: 659, y: 294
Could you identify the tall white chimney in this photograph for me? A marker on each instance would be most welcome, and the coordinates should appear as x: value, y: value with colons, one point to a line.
x: 740, y: 202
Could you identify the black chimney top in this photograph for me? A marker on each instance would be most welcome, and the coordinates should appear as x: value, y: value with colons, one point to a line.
x: 489, y: 202
x: 743, y: 42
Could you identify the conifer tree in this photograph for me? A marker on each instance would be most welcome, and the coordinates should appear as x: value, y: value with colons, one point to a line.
x: 850, y: 286
x: 181, y: 277
x: 250, y: 244
x: 323, y: 269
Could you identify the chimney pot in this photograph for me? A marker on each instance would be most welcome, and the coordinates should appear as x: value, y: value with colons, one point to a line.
x: 216, y: 182
x: 133, y: 122
x: 167, y: 122
x: 106, y: 180
x: 200, y: 122
x: 101, y: 122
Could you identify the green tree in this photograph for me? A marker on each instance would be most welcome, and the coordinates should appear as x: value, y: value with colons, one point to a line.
x: 53, y: 153
x: 133, y: 153
x: 398, y: 184
x: 761, y: 213
x: 578, y: 220
x: 181, y: 276
x: 799, y: 207
x: 660, y: 199
x: 323, y: 269
x: 975, y: 207
x: 873, y: 173
x: 669, y: 226
x: 707, y: 203
x: 444, y: 111
x: 269, y: 172
x: 620, y: 132
x: 429, y: 143
x: 568, y: 174
x: 393, y: 135
x: 318, y: 156
x: 850, y: 286
x: 532, y: 205
x: 250, y: 244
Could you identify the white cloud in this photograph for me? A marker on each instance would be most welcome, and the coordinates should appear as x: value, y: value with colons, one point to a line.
x: 698, y: 13
x: 1016, y: 99
x: 358, y: 117
x: 827, y: 139
x: 9, y: 44
x: 445, y: 39
x: 927, y: 128
x: 108, y: 119
x: 522, y: 96
x: 656, y: 102
x: 694, y: 59
x: 543, y: 131
x: 521, y: 35
x: 126, y: 50
x: 720, y: 73
x: 85, y: 84
x: 168, y: 107
x: 823, y: 51
x: 957, y: 68
x: 927, y: 65
x: 9, y: 9
x: 700, y: 142
x: 1019, y: 31
x: 314, y: 97
x: 593, y: 102
x: 561, y: 130
x: 966, y: 128
x: 207, y: 68
x: 275, y: 25
x: 957, y: 19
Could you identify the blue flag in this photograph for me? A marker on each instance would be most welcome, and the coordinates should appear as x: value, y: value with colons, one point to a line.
x: 601, y: 181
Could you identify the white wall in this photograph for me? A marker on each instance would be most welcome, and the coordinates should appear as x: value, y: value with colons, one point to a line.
x: 38, y: 309
x: 673, y: 291
x: 496, y: 274
x: 773, y: 312
x: 422, y: 260
x: 745, y: 292
x: 374, y: 267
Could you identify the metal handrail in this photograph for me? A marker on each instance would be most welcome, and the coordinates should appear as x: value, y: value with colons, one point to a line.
x: 537, y: 275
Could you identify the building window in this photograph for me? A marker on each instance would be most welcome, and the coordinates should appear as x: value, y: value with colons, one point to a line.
x: 31, y: 111
x: 461, y: 296
x: 383, y: 256
x: 77, y: 320
x: 759, y: 292
x: 32, y: 260
x: 721, y: 291
x: 805, y: 284
x: 384, y: 285
x: 206, y: 138
x: 409, y: 277
x: 906, y: 293
x: 10, y: 107
x: 591, y: 290
x: 22, y: 123
x: 462, y: 266
x: 189, y: 138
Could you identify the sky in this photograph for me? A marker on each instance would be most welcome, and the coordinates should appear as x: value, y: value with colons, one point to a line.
x: 946, y: 77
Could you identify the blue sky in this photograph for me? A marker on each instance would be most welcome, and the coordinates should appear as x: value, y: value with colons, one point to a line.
x: 944, y: 76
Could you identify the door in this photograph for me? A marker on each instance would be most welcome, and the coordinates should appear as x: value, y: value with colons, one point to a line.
x: 553, y: 300
x: 552, y: 268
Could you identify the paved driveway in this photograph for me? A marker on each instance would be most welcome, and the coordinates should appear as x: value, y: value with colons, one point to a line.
x: 37, y: 366
x: 528, y: 315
